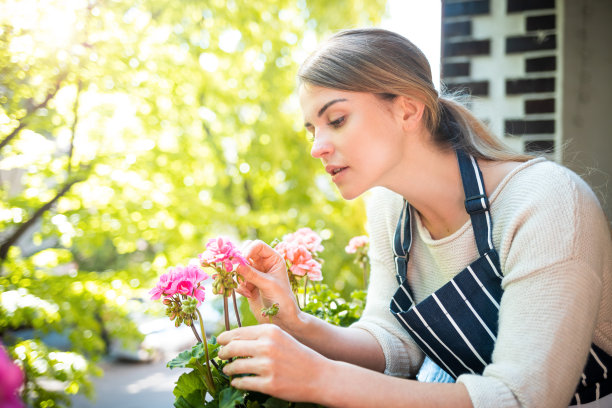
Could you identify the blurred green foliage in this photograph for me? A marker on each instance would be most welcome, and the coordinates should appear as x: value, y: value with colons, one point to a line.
x: 130, y: 133
x: 328, y: 305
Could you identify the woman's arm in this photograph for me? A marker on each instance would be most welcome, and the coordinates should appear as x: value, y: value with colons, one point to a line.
x: 263, y: 289
x: 286, y: 369
x: 352, y: 345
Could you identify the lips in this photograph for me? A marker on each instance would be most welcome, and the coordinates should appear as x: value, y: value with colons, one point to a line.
x: 333, y: 170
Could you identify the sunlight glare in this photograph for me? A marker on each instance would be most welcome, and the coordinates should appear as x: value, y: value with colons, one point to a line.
x: 420, y: 22
x: 51, y: 23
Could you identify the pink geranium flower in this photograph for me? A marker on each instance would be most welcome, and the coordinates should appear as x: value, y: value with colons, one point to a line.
x: 182, y: 280
x: 222, y: 250
x: 307, y: 237
x: 355, y: 243
x: 300, y: 259
x: 11, y: 379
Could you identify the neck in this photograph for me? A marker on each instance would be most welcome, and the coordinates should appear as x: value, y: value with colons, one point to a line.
x: 429, y: 179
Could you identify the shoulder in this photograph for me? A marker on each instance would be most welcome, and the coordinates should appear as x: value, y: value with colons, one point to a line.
x: 544, y: 211
x: 542, y: 185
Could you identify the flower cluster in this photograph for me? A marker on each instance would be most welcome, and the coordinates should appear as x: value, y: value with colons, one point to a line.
x: 182, y: 291
x: 222, y: 252
x: 300, y: 250
x: 222, y: 256
x: 11, y: 379
x: 181, y: 280
x: 355, y: 243
x: 359, y: 246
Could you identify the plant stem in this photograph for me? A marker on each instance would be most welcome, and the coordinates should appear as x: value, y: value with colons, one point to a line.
x: 195, y: 332
x: 226, y: 313
x: 208, y: 381
x: 305, y: 293
x: 236, y: 308
x: 203, y: 330
x: 365, y: 274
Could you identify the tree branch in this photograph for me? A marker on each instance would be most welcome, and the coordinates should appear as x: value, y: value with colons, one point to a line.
x: 23, y: 121
x: 11, y: 135
x: 74, y: 125
x: 10, y: 241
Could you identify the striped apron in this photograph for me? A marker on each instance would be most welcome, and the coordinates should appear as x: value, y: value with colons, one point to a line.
x: 456, y: 326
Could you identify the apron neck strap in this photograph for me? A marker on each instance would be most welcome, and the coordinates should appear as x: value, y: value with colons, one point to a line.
x: 476, y: 201
x: 476, y: 205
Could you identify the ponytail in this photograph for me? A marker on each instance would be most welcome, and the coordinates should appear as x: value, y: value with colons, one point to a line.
x: 459, y: 128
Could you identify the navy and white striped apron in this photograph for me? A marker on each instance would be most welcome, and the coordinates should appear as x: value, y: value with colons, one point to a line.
x: 456, y: 326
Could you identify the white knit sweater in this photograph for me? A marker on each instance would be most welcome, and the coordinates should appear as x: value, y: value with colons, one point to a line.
x: 555, y: 252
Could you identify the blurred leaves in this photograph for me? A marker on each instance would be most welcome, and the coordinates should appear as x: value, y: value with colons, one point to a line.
x: 133, y: 131
x: 328, y: 305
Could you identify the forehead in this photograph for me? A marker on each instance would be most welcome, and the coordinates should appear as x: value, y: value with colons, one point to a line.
x: 312, y: 97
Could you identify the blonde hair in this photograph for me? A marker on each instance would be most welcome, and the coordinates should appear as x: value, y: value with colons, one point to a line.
x: 387, y: 64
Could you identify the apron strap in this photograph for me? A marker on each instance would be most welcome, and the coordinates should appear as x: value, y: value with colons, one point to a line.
x: 402, y: 242
x: 476, y: 201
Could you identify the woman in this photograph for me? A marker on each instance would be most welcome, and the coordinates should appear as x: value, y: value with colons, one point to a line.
x: 494, y: 266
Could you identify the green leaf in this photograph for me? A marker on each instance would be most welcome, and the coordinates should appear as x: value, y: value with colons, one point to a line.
x: 229, y: 397
x: 276, y: 403
x: 212, y: 404
x: 181, y: 361
x: 183, y: 403
x: 213, y: 349
x: 187, y: 358
x: 188, y: 383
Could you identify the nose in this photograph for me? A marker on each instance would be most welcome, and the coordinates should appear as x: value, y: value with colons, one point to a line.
x: 321, y: 146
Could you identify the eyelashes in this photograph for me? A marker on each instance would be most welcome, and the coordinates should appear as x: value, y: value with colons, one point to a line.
x: 334, y: 124
x: 338, y: 122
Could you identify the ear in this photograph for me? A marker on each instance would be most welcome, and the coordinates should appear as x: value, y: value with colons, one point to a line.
x: 410, y: 111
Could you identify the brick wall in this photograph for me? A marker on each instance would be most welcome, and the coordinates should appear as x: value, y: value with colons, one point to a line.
x: 504, y: 53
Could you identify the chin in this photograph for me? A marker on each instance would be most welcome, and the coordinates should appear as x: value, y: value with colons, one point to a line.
x: 350, y: 194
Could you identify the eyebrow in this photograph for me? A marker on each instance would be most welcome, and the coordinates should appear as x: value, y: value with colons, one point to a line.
x: 324, y: 108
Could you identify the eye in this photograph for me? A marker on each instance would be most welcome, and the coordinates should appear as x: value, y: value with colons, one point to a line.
x: 338, y: 122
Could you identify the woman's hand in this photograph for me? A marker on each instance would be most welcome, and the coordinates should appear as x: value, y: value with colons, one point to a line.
x: 281, y: 366
x: 266, y: 283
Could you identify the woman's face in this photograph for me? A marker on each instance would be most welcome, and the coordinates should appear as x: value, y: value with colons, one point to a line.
x: 358, y: 136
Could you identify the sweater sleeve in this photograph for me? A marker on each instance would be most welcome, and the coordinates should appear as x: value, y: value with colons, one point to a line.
x: 402, y: 355
x: 554, y: 250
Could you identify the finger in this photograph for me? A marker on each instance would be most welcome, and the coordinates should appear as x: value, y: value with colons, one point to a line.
x: 251, y: 383
x: 260, y: 251
x: 244, y: 333
x: 246, y: 289
x: 238, y: 348
x: 242, y: 289
x: 252, y: 275
x: 256, y: 366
